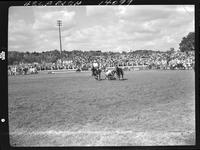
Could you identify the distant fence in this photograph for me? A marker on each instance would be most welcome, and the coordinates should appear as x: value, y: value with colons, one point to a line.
x: 135, y: 68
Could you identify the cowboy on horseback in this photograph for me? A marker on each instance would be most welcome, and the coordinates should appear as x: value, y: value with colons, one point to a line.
x: 95, y: 65
x: 96, y: 71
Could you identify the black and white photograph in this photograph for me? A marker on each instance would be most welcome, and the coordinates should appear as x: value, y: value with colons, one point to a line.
x: 95, y: 75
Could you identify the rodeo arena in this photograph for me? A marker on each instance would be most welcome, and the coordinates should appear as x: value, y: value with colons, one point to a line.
x: 124, y: 99
x: 119, y: 79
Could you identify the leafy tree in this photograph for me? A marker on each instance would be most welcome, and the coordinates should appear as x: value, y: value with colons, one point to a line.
x: 188, y: 43
x: 14, y: 57
x: 124, y: 52
x: 172, y: 49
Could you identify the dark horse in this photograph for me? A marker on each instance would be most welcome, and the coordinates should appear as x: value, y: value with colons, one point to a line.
x: 96, y: 72
x: 119, y: 72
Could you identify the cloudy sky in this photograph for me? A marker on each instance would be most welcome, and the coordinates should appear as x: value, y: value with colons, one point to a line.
x: 106, y: 28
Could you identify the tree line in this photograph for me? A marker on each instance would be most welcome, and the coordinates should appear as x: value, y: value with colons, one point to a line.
x: 14, y: 57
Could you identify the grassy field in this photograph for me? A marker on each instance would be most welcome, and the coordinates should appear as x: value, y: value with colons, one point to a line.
x: 73, y: 109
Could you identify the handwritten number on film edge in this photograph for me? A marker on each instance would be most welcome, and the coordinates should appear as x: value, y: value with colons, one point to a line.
x: 50, y: 3
x: 116, y: 2
x: 76, y: 2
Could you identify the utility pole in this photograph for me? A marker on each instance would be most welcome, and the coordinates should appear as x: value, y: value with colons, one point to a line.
x: 59, y: 23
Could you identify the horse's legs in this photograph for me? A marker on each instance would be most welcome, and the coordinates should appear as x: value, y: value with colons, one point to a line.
x: 118, y: 76
x: 99, y: 76
x: 105, y: 77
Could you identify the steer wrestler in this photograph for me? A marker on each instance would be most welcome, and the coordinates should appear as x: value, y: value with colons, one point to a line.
x: 110, y: 75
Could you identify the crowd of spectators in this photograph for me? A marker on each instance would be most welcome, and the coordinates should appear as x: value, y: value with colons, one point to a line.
x: 154, y: 60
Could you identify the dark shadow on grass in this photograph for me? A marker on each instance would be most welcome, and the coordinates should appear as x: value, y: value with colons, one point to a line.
x: 100, y: 79
x: 123, y: 79
x: 112, y: 79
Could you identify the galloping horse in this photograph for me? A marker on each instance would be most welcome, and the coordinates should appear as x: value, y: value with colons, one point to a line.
x: 119, y: 72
